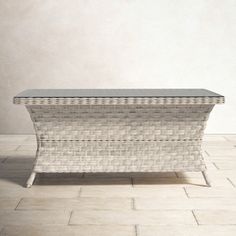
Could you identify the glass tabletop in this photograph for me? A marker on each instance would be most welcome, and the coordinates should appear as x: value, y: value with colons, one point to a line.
x: 73, y: 93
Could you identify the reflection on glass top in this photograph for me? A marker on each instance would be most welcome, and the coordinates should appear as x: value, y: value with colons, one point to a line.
x: 70, y: 93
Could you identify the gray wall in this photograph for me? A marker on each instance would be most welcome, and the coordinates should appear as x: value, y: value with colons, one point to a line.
x: 117, y: 44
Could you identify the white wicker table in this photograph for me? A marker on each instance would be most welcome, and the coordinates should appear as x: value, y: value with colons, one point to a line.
x: 118, y: 130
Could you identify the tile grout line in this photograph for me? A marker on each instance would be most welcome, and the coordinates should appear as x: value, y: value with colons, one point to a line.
x: 80, y: 192
x: 132, y: 181
x: 226, y: 139
x: 17, y: 148
x: 231, y: 182
x: 1, y: 231
x: 207, y: 153
x: 70, y: 217
x: 136, y: 233
x: 18, y: 204
x: 5, y: 159
x: 215, y: 166
x: 133, y: 204
x: 195, y: 217
x: 186, y: 192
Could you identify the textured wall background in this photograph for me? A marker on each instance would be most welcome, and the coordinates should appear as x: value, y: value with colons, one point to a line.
x: 117, y: 44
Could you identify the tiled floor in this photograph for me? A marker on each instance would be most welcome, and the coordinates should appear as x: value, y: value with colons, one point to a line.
x: 118, y: 204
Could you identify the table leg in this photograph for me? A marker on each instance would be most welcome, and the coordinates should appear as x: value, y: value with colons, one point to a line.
x: 206, y: 178
x: 30, y: 180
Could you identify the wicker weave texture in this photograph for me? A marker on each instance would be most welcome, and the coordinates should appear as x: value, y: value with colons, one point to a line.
x: 117, y: 138
x: 119, y: 100
x: 119, y: 156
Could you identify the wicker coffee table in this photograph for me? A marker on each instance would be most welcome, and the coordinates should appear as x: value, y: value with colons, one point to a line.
x: 118, y: 130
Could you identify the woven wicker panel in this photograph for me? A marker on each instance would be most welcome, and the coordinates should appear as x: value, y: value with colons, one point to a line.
x: 131, y: 138
x: 119, y: 156
x: 170, y: 122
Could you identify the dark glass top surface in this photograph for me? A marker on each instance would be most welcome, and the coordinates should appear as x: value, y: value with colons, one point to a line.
x: 70, y: 93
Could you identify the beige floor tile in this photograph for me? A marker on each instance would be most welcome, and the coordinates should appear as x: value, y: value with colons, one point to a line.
x: 12, y: 182
x: 219, y: 181
x: 16, y: 166
x: 129, y: 175
x: 213, y: 174
x: 30, y: 142
x: 144, y: 182
x: 230, y: 137
x: 14, y: 173
x: 17, y: 142
x: 85, y: 181
x: 2, y: 159
x: 58, y: 179
x: 185, y: 204
x: 217, y: 178
x: 74, y: 204
x: 189, y: 174
x: 213, y: 137
x: 221, y: 151
x: 59, y: 176
x: 9, y: 217
x: 223, y: 165
x: 27, y: 147
x: 227, y: 173
x: 132, y: 217
x: 23, y: 154
x: 147, y: 182
x: 221, y: 158
x: 12, y: 138
x: 217, y: 144
x: 8, y: 203
x: 127, y: 191
x: 232, y: 179
x: 7, y: 147
x: 215, y: 230
x: 20, y: 160
x: 19, y: 177
x: 204, y: 155
x: 211, y: 192
x: 106, y: 196
x: 31, y: 137
x: 215, y: 217
x: 16, y: 154
x: 192, y: 175
x: 65, y: 191
x: 210, y: 165
x: 59, y: 230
